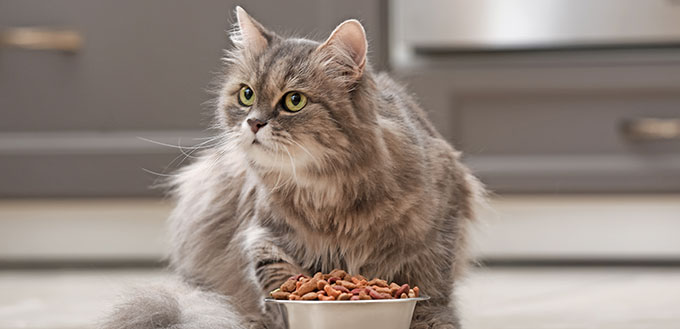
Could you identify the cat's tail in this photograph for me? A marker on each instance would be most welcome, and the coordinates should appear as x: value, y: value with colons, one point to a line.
x: 174, y: 305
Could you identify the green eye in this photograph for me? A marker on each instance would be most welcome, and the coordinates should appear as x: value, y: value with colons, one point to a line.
x: 246, y: 96
x: 294, y: 101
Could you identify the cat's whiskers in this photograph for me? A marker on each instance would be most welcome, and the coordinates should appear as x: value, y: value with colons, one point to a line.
x: 276, y: 185
x: 163, y: 174
x: 157, y: 174
x: 314, y: 159
x: 292, y: 163
x: 198, y: 146
x: 221, y: 149
x: 179, y: 142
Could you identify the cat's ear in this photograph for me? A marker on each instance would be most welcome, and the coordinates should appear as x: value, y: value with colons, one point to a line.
x: 249, y: 34
x: 349, y: 40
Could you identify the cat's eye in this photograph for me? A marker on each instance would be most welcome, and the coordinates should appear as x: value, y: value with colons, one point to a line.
x: 294, y: 101
x: 246, y: 96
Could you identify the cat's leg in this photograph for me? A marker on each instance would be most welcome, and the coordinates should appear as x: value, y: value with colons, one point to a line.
x: 270, y: 265
x: 428, y: 315
x: 436, y: 279
x: 272, y: 269
x: 435, y: 274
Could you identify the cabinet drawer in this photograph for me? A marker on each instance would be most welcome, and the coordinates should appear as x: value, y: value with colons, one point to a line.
x: 570, y: 142
x: 142, y: 65
x: 564, y: 123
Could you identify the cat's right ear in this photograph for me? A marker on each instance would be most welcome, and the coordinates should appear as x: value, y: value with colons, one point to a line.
x: 348, y: 44
x: 249, y: 35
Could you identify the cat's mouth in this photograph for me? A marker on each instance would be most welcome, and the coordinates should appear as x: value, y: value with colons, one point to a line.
x: 260, y: 144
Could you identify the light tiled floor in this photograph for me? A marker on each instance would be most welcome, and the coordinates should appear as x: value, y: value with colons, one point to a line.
x: 616, y: 298
x: 495, y: 298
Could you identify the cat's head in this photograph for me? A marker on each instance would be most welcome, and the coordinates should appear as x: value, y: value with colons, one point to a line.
x: 293, y: 104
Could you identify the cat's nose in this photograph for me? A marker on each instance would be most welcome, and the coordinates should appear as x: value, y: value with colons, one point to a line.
x: 256, y: 124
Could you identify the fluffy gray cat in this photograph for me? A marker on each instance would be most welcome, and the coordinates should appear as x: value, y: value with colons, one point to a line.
x: 322, y: 164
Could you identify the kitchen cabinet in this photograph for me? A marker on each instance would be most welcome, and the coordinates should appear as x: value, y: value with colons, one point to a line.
x: 71, y: 121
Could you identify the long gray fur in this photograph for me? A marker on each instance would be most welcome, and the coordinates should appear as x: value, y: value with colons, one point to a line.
x: 358, y: 179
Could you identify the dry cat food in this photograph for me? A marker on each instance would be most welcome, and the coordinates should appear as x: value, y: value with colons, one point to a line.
x: 338, y: 285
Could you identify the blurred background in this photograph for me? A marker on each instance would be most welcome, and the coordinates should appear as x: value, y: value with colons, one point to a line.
x: 568, y: 110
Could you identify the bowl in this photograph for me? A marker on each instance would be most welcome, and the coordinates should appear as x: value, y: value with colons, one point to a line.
x: 343, y: 314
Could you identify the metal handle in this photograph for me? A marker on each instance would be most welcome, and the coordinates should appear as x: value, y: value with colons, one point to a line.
x: 652, y: 129
x: 40, y: 38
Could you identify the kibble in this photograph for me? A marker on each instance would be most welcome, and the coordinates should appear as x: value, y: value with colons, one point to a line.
x: 339, y: 285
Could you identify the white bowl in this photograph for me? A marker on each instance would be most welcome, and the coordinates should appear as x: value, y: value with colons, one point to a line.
x: 344, y: 314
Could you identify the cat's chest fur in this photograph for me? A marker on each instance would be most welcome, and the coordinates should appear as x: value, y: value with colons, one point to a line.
x: 322, y: 233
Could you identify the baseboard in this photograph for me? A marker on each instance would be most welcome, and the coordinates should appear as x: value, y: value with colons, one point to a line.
x: 517, y: 229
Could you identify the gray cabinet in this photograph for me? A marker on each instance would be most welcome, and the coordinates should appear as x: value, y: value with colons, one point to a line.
x: 70, y: 121
x: 556, y: 121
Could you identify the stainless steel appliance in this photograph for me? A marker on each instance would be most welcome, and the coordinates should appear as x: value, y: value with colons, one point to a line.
x: 443, y: 25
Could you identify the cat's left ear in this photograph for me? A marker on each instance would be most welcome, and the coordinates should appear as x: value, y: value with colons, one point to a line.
x: 250, y: 35
x: 348, y: 41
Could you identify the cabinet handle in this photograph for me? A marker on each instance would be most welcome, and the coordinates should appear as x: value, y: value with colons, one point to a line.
x: 652, y: 129
x: 41, y: 38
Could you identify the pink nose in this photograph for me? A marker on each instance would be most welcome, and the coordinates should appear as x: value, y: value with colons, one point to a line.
x: 256, y: 124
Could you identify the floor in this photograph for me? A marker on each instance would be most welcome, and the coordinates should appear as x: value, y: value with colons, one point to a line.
x: 498, y: 297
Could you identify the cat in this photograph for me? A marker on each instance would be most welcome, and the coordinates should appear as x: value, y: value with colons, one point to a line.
x: 320, y: 163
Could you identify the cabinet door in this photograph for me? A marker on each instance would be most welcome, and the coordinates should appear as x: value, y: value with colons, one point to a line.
x: 70, y: 122
x: 560, y: 121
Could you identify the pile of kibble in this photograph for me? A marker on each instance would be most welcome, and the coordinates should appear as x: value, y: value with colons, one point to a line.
x: 338, y: 285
